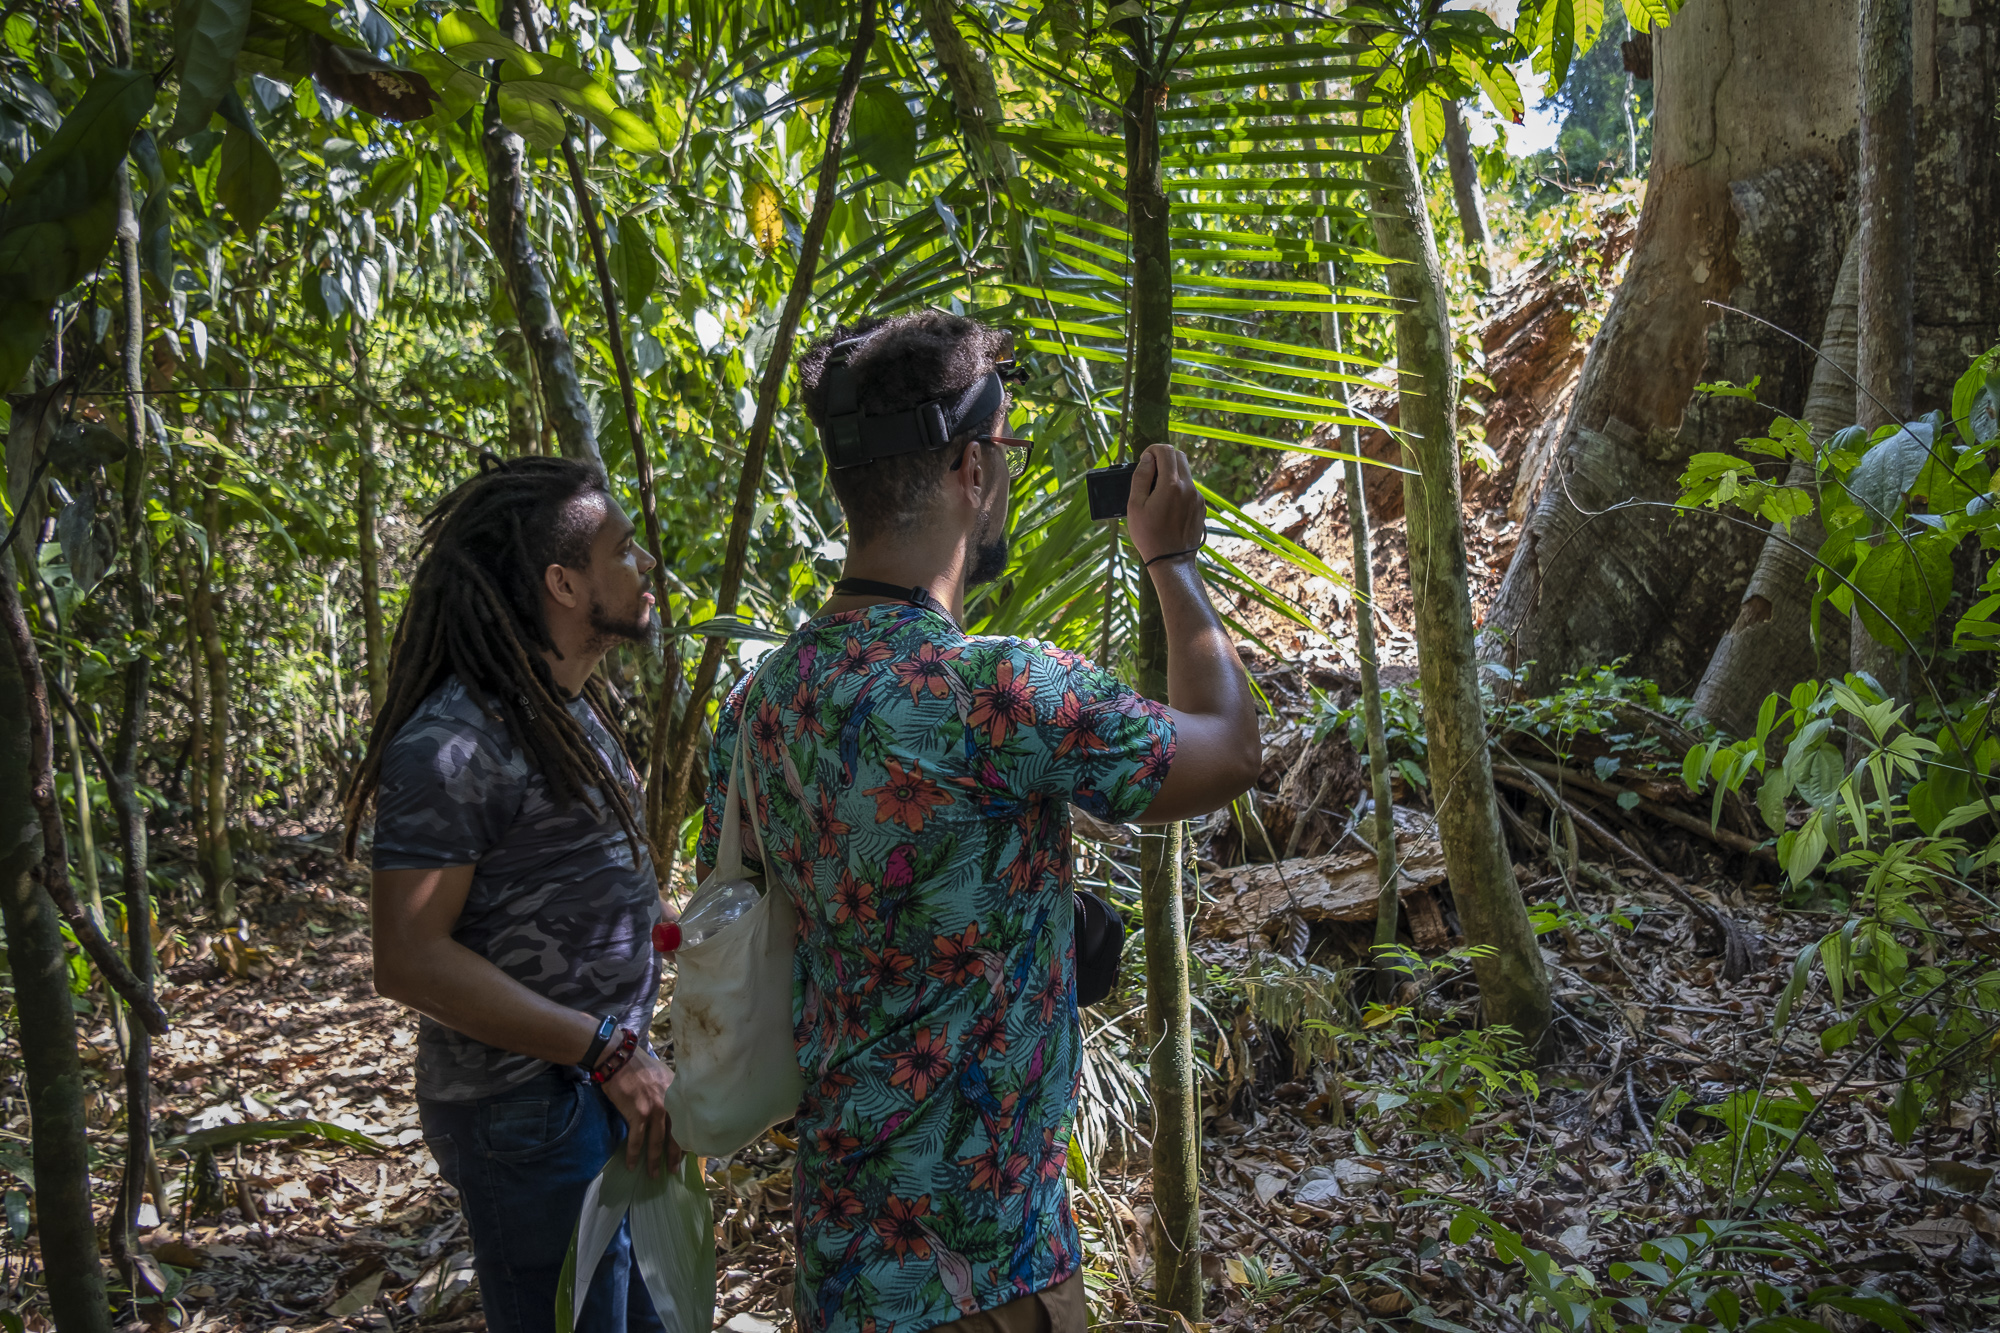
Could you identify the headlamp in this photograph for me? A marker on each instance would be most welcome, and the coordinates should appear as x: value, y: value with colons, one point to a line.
x: 854, y: 439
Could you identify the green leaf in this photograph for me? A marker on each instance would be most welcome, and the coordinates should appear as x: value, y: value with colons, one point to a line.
x: 1905, y: 584
x: 555, y: 82
x: 1646, y: 15
x: 208, y: 34
x: 1889, y: 468
x: 883, y: 133
x: 634, y: 267
x: 62, y: 210
x: 673, y: 1241
x: 249, y: 183
x: 1906, y: 1111
x: 314, y: 18
x: 1807, y: 846
x: 259, y: 1131
x: 465, y: 36
x: 432, y: 179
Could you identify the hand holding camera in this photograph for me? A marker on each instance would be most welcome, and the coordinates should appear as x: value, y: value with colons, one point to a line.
x: 1164, y: 511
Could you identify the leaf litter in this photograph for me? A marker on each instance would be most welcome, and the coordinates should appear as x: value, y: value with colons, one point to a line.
x: 299, y: 1195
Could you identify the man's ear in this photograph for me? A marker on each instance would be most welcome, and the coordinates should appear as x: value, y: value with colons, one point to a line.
x: 978, y: 475
x: 560, y: 584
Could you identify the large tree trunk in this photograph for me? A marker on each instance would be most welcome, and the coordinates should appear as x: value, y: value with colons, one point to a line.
x: 1747, y: 202
x: 1465, y: 191
x: 1513, y: 985
x: 1886, y: 349
x: 1770, y: 649
x: 563, y: 404
x: 1176, y: 1112
x: 46, y: 1026
x: 1737, y: 211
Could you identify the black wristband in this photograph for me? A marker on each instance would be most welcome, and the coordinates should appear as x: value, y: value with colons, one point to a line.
x: 1170, y: 555
x: 607, y: 1027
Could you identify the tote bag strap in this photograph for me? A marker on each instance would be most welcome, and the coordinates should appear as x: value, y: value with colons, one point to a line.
x: 749, y: 772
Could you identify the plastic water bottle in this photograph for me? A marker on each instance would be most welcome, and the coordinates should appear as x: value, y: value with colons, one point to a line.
x: 707, y: 912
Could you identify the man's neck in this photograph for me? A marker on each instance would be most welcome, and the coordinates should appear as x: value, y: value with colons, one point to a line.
x: 938, y: 567
x: 573, y: 668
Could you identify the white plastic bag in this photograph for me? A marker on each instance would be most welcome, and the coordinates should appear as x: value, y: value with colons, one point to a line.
x: 736, y: 1072
x: 673, y: 1242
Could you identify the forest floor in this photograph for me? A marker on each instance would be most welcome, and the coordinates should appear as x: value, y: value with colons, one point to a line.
x: 1324, y: 1207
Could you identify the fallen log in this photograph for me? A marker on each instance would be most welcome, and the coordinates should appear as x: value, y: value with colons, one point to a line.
x: 1337, y: 887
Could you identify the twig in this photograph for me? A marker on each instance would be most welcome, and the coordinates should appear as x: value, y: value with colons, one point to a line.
x: 1812, y: 1111
x: 1729, y: 838
x: 1303, y: 1263
x: 1540, y: 842
x: 1736, y: 946
x: 1638, y: 1120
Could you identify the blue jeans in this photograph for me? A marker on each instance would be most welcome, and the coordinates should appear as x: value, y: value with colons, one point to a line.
x: 521, y: 1161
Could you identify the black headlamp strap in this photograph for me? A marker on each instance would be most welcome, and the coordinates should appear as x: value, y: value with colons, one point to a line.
x: 853, y: 439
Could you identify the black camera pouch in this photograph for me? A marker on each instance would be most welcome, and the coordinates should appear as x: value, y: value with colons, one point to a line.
x: 1100, y: 945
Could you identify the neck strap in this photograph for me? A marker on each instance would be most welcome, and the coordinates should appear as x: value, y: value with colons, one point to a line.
x: 876, y: 588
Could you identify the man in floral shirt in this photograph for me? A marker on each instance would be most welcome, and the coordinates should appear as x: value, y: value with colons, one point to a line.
x: 913, y: 783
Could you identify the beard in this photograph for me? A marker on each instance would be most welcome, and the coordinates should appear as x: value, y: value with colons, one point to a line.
x: 605, y: 629
x: 989, y: 554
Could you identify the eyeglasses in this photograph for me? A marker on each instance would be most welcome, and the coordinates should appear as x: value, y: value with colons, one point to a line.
x: 1019, y: 453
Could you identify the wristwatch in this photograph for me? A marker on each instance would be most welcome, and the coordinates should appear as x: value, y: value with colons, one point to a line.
x: 607, y: 1026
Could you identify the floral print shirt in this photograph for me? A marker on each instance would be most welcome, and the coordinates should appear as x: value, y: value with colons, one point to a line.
x: 913, y: 784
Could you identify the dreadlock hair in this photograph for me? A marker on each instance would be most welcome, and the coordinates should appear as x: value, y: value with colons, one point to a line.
x: 475, y: 611
x: 907, y: 359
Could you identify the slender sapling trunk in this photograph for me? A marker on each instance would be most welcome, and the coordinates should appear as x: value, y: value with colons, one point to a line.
x: 681, y: 753
x: 1513, y: 984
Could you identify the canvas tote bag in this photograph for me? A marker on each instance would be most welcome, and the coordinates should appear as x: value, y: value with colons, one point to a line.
x: 736, y: 1072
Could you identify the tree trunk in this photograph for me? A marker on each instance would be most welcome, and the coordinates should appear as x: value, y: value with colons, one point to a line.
x: 523, y: 435
x: 1770, y: 649
x: 1886, y: 346
x: 681, y: 753
x: 86, y: 847
x: 140, y: 1170
x: 975, y: 100
x: 1465, y: 190
x: 219, y: 869
x: 563, y: 404
x: 1748, y: 202
x: 1740, y: 208
x: 1176, y: 1121
x: 367, y: 520
x: 46, y: 1027
x: 1382, y: 828
x: 1513, y: 986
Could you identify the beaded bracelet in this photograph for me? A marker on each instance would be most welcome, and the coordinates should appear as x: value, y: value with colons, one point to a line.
x: 628, y: 1042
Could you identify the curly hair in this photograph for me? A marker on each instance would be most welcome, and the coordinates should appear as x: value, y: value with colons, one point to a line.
x: 476, y: 612
x: 906, y: 360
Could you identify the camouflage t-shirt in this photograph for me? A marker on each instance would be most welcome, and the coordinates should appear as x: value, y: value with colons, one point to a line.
x: 558, y: 901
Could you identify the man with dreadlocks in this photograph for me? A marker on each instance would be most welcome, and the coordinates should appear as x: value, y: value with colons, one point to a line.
x: 514, y: 897
x: 913, y: 784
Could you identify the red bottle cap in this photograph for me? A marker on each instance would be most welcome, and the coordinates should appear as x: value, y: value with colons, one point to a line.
x: 667, y: 936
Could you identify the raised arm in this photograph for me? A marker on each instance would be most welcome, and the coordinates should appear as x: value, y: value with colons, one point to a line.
x: 1217, y: 752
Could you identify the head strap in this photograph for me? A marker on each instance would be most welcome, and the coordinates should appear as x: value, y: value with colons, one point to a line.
x: 854, y: 439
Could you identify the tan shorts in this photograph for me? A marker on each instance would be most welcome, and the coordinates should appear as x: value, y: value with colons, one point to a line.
x: 1058, y: 1309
